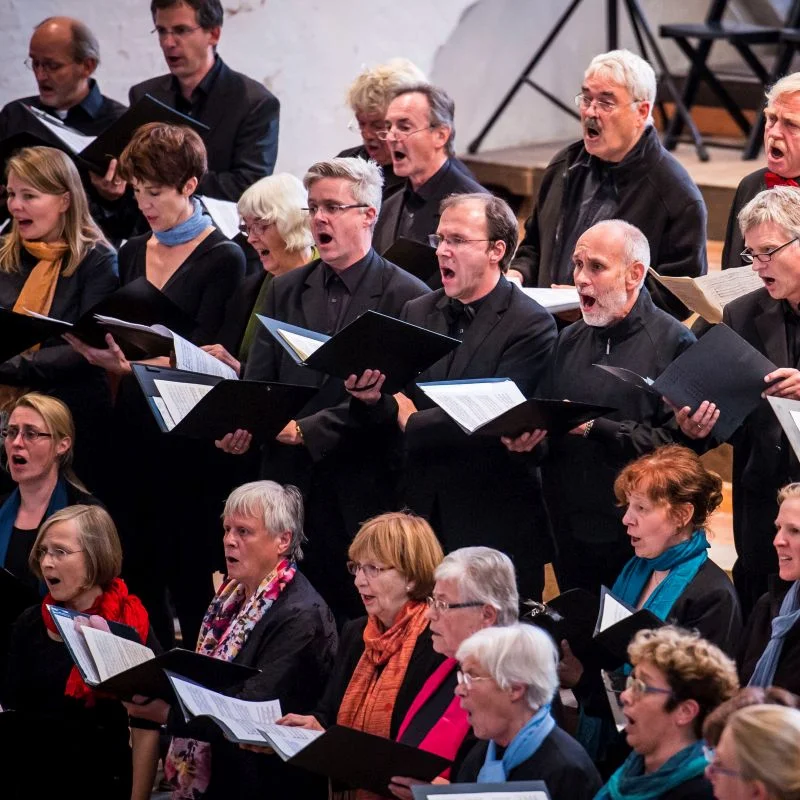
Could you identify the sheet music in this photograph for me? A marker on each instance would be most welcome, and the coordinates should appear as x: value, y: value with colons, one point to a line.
x: 77, y: 644
x: 180, y: 398
x: 555, y: 300
x: 134, y: 326
x: 304, y: 346
x: 612, y: 611
x: 164, y: 411
x: 474, y: 404
x: 728, y: 284
x: 193, y: 359
x: 73, y: 139
x: 509, y: 795
x: 224, y: 214
x: 113, y: 654
x: 289, y: 741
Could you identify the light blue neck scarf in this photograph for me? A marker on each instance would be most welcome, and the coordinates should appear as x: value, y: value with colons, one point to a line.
x: 520, y: 749
x: 781, y: 625
x: 185, y: 231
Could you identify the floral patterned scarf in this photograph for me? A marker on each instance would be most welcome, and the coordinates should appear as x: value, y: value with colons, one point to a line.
x: 228, y: 622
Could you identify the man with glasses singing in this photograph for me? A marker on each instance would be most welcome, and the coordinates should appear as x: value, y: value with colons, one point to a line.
x: 769, y: 319
x: 618, y: 170
x: 242, y: 116
x: 342, y: 471
x: 419, y: 135
x: 469, y: 487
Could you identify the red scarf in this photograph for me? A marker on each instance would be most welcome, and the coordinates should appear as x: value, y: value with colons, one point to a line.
x: 772, y: 179
x: 114, y: 605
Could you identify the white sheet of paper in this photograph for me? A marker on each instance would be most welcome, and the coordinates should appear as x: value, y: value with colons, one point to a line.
x: 612, y: 612
x: 289, y: 741
x: 728, y: 284
x: 304, y: 346
x: 44, y: 316
x: 112, y: 654
x: 73, y: 139
x: 509, y: 795
x: 164, y: 411
x: 474, y: 404
x: 554, y: 300
x: 796, y: 418
x: 224, y: 213
x: 180, y: 398
x: 190, y: 357
x: 79, y: 648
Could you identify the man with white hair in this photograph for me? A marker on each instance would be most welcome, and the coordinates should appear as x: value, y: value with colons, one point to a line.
x: 782, y: 148
x: 621, y: 327
x: 619, y: 170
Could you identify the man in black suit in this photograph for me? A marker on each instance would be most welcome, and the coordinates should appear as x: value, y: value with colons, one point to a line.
x: 763, y: 459
x: 340, y: 468
x: 471, y: 489
x: 419, y: 133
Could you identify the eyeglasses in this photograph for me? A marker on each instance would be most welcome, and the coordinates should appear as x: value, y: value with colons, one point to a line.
x: 259, y: 228
x: 466, y: 680
x: 332, y: 209
x: 56, y: 553
x: 399, y: 135
x: 748, y: 256
x: 439, y: 606
x: 710, y: 755
x: 606, y: 106
x: 29, y: 435
x: 638, y: 688
x: 372, y: 125
x: 370, y: 570
x: 48, y: 67
x: 178, y: 32
x: 434, y: 239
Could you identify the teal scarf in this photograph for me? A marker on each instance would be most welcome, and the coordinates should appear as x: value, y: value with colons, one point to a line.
x: 630, y: 783
x: 683, y: 562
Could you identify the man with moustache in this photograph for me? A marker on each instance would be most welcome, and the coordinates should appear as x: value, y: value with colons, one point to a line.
x: 618, y: 170
x: 769, y: 319
x: 420, y: 134
x: 620, y: 327
x: 340, y: 468
x: 470, y: 488
x: 782, y: 148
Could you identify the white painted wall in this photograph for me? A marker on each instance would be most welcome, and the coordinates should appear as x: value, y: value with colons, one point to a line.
x: 308, y: 51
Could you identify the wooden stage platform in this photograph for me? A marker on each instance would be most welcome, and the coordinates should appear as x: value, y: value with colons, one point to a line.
x: 518, y: 170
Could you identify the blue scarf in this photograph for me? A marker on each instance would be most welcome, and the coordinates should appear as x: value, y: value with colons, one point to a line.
x: 520, y: 749
x: 683, y: 562
x: 186, y: 230
x: 9, y: 510
x: 781, y: 625
x: 630, y: 783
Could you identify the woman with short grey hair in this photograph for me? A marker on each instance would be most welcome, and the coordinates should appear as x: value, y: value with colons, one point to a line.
x: 507, y: 679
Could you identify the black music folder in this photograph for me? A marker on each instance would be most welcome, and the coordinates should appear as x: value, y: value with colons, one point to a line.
x: 93, y: 153
x: 15, y: 597
x: 720, y: 367
x: 398, y: 349
x: 554, y: 416
x: 358, y: 759
x: 415, y: 257
x: 213, y: 406
x: 18, y: 332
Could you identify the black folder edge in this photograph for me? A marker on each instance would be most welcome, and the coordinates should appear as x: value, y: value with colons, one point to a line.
x: 511, y: 790
x: 379, y: 759
x: 17, y: 595
x: 28, y: 331
x: 414, y: 257
x: 275, y: 325
x: 196, y: 420
x: 138, y: 344
x: 614, y: 640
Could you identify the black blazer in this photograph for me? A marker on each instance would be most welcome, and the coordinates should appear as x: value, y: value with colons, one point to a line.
x: 560, y: 762
x: 747, y: 189
x: 449, y: 180
x: 239, y: 310
x: 242, y: 142
x: 763, y: 460
x: 294, y: 645
x: 424, y: 661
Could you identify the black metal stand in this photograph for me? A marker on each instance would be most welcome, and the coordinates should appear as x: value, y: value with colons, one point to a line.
x: 644, y: 36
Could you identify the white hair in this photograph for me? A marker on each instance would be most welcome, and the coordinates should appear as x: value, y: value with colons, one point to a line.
x: 788, y: 84
x: 519, y: 653
x: 366, y: 177
x: 779, y: 206
x: 280, y: 508
x: 629, y: 70
x: 484, y: 575
x: 636, y: 247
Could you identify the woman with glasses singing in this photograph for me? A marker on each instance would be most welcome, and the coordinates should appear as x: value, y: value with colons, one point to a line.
x: 506, y: 682
x: 677, y: 680
x: 82, y: 740
x: 770, y: 648
x: 38, y: 442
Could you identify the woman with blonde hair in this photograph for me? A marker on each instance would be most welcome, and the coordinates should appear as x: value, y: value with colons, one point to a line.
x: 758, y: 755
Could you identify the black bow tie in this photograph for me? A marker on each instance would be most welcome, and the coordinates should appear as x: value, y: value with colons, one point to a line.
x: 455, y: 311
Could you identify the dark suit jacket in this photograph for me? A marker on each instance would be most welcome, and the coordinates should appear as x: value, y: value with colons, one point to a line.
x: 763, y: 460
x: 239, y: 309
x: 449, y: 180
x: 747, y: 189
x: 242, y: 142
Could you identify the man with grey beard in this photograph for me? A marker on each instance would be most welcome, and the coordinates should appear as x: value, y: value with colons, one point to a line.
x: 619, y: 169
x: 620, y: 327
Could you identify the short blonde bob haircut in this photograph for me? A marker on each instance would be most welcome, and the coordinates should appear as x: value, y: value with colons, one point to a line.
x: 279, y: 200
x: 52, y: 172
x: 102, y: 551
x: 373, y: 90
x: 403, y: 541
